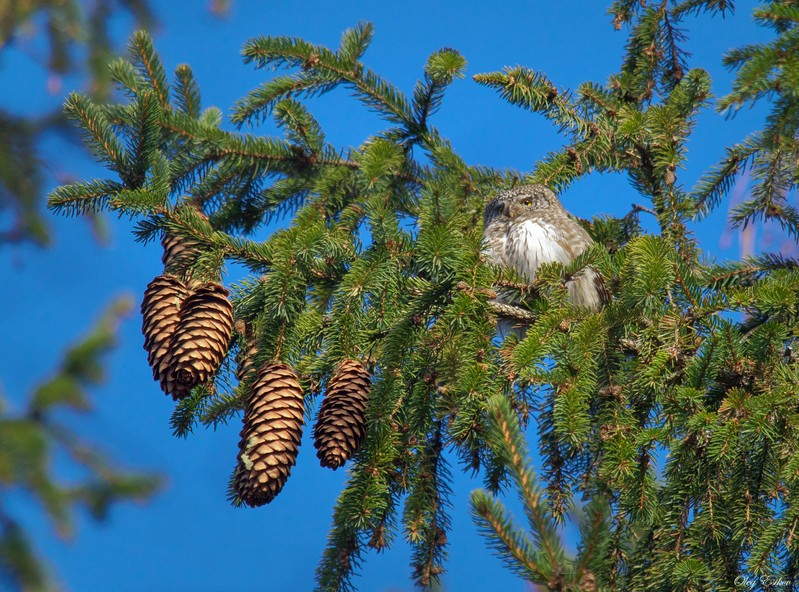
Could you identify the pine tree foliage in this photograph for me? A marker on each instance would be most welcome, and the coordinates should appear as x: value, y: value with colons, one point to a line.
x: 763, y: 71
x: 670, y: 413
x: 31, y: 439
x: 77, y: 36
x: 540, y: 556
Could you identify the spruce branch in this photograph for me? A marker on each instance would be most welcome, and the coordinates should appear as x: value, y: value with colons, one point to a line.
x: 355, y: 42
x: 533, y: 91
x: 713, y: 7
x: 594, y: 540
x: 300, y: 125
x: 85, y: 197
x: 713, y: 186
x: 258, y: 104
x: 769, y: 196
x: 380, y: 260
x: 186, y: 91
x: 508, y: 441
x: 125, y: 76
x: 442, y: 68
x: 105, y: 143
x: 30, y: 438
x: 748, y: 271
x: 143, y: 138
x: 425, y: 516
x: 186, y: 414
x: 510, y: 543
x: 145, y: 58
x: 375, y: 92
x: 540, y: 559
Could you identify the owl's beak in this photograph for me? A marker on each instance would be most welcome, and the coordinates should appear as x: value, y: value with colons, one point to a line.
x: 497, y: 209
x: 505, y: 208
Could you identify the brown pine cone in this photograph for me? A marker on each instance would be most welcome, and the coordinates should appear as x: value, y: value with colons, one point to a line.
x: 271, y: 435
x: 341, y: 423
x: 160, y: 310
x: 588, y: 583
x: 179, y: 253
x: 201, y: 339
x: 245, y: 358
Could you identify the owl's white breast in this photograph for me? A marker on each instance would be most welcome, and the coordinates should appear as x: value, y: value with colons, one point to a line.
x: 531, y: 243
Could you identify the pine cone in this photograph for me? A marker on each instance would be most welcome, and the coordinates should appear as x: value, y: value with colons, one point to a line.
x: 179, y: 253
x: 201, y: 339
x: 245, y: 358
x: 160, y: 310
x: 271, y: 434
x: 588, y: 583
x: 341, y: 423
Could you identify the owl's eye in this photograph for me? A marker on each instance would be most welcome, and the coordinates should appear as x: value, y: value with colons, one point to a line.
x: 527, y: 202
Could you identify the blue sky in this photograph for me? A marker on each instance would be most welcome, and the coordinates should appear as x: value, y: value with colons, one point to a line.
x: 188, y: 538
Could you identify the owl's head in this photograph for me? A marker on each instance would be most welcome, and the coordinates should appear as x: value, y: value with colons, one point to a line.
x: 525, y: 198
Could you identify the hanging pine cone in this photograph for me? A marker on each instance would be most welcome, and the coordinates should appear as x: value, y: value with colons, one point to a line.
x: 160, y: 310
x: 271, y: 435
x: 245, y: 358
x: 201, y: 339
x: 341, y: 424
x: 588, y: 583
x: 179, y: 253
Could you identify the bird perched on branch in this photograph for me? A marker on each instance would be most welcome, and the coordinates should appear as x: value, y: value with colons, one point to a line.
x: 527, y: 226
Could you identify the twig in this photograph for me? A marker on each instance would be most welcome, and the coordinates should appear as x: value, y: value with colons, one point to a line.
x: 500, y: 308
x: 639, y: 208
x: 508, y: 310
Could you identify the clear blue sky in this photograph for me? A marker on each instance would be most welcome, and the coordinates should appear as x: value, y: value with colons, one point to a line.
x: 188, y: 538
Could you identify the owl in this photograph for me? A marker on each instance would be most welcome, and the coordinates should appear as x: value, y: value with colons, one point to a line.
x: 527, y: 226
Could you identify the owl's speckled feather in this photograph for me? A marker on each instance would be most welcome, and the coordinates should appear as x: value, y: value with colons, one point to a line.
x: 527, y: 226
